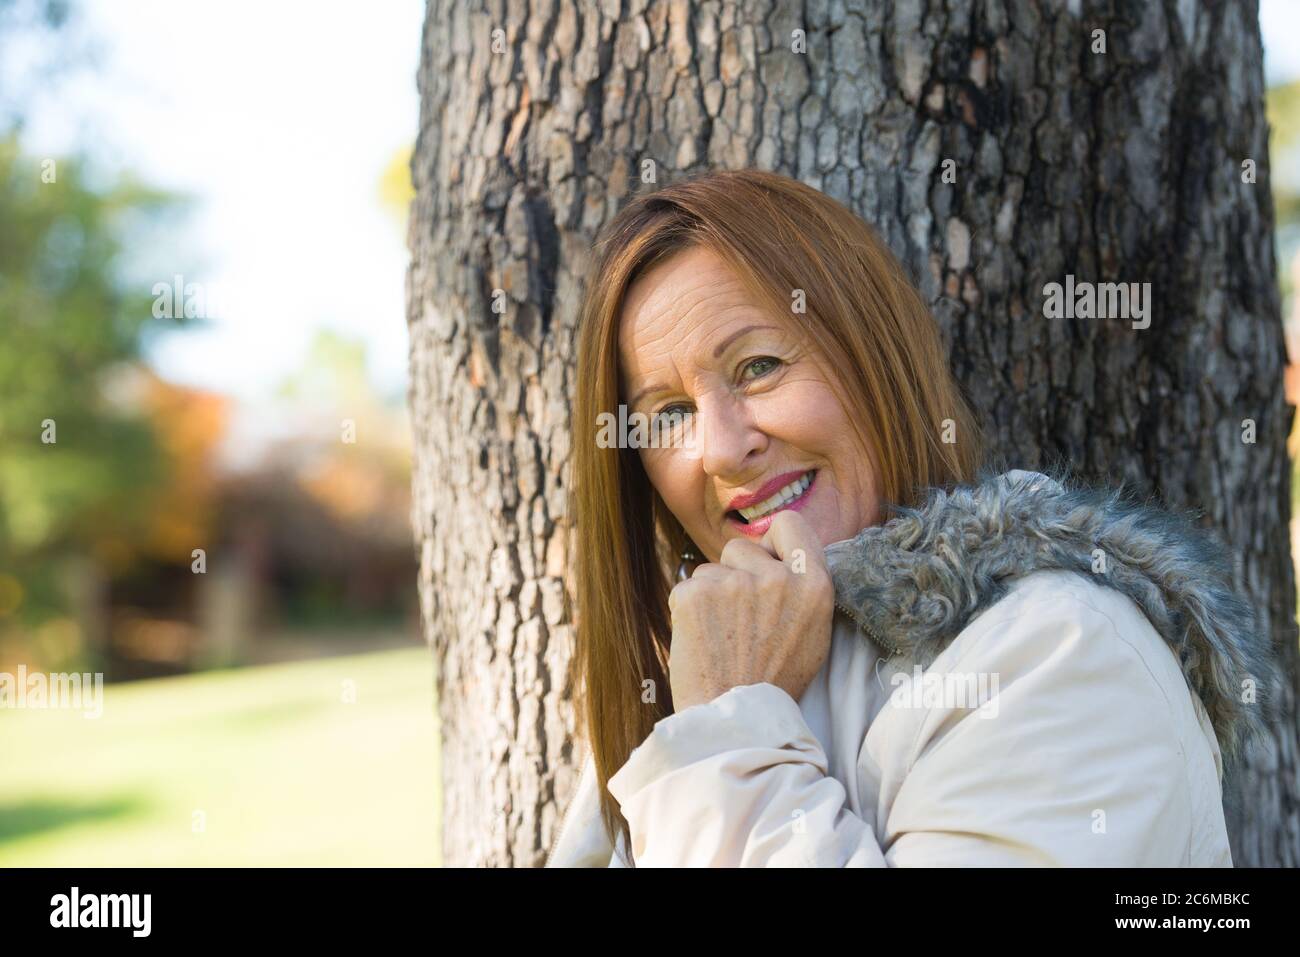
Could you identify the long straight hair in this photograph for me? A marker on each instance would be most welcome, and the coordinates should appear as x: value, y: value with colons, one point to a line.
x: 877, y: 337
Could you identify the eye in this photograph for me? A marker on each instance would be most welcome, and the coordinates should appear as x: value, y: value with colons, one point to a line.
x: 672, y: 415
x: 757, y: 368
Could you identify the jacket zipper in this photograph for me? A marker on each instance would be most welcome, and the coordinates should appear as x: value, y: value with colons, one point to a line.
x: 564, y: 818
x: 867, y: 629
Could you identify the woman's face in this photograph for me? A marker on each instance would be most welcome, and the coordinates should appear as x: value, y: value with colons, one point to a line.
x: 766, y: 429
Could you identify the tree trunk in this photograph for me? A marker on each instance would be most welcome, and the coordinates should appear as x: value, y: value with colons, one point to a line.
x: 1116, y: 166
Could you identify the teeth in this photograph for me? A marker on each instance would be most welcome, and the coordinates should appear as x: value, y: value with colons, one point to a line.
x: 771, y: 504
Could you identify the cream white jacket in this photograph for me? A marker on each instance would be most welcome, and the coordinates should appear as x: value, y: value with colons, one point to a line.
x: 970, y: 712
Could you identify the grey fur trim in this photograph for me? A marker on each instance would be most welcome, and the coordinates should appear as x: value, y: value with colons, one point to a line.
x: 914, y: 582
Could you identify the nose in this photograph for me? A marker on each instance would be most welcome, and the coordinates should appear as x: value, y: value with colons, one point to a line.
x: 729, y: 437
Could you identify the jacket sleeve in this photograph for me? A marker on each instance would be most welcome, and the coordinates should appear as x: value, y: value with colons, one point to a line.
x: 739, y: 781
x: 1077, y: 762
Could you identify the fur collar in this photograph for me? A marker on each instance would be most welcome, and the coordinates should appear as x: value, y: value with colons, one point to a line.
x: 914, y: 582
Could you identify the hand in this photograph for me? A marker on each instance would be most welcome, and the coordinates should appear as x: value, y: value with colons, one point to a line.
x: 763, y: 614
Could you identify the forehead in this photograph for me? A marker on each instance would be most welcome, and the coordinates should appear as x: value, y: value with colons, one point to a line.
x: 686, y: 302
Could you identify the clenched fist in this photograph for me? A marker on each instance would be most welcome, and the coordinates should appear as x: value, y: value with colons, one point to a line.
x: 763, y: 614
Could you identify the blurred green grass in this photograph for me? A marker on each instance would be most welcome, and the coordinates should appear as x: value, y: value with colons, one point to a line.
x: 285, y: 771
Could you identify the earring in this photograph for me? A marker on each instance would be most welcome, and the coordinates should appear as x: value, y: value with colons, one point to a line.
x: 689, y: 557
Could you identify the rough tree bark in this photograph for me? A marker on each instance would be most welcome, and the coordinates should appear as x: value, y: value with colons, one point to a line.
x: 1121, y: 166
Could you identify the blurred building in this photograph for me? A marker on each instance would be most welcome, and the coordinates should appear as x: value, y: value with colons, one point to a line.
x: 288, y: 542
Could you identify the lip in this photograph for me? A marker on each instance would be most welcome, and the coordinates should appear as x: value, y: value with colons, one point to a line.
x: 758, y: 528
x: 766, y: 491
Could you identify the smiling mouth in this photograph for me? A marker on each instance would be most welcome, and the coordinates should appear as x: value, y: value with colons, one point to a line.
x: 783, y: 498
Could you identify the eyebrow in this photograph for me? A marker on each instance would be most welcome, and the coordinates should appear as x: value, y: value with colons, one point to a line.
x: 720, y: 348
x: 643, y: 393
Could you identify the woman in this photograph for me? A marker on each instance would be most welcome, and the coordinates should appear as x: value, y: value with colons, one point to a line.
x: 874, y: 651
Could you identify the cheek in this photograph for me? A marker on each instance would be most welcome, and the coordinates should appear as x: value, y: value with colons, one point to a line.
x: 809, y: 418
x: 805, y: 415
x: 674, y: 476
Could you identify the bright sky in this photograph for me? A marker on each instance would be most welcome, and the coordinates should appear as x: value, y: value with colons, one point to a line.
x: 1279, y: 24
x: 280, y: 117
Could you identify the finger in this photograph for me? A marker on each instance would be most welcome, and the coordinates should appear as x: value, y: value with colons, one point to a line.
x: 792, y: 538
x: 710, y: 570
x: 747, y: 556
x: 675, y: 594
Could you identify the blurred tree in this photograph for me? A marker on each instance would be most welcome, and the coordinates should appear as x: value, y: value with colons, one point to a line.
x: 996, y: 146
x: 39, y: 44
x: 395, y: 190
x: 356, y: 458
x: 78, y: 471
x: 1283, y: 112
x: 189, y: 425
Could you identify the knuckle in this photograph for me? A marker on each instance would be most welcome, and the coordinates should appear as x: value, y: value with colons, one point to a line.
x: 732, y: 548
x: 732, y: 584
x: 700, y: 572
x: 689, y: 593
x: 740, y: 583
